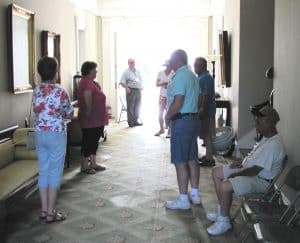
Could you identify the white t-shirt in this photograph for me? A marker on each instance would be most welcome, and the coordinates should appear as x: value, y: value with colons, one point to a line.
x: 268, y: 154
x: 163, y: 78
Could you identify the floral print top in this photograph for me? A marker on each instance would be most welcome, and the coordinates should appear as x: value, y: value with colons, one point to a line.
x: 51, y: 104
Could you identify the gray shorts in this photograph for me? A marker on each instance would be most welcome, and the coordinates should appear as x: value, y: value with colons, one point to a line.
x: 245, y: 184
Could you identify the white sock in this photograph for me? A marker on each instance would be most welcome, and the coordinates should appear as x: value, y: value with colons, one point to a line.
x: 219, y: 210
x: 223, y: 218
x: 183, y: 197
x: 194, y: 191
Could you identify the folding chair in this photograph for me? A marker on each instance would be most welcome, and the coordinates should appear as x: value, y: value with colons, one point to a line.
x: 263, y: 224
x: 123, y: 108
x: 268, y: 196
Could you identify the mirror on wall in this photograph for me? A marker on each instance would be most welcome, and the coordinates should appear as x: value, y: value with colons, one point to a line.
x: 21, y: 49
x: 50, y: 44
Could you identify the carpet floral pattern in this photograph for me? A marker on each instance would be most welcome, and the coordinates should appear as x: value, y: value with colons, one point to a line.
x: 125, y: 203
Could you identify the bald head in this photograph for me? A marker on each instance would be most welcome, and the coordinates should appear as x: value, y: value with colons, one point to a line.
x: 131, y: 63
x: 178, y: 59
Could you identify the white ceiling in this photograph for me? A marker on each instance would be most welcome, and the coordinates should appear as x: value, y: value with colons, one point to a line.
x: 137, y: 8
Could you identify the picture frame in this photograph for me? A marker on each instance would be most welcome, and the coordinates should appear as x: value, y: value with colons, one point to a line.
x: 21, y: 49
x: 50, y: 46
x: 225, y: 59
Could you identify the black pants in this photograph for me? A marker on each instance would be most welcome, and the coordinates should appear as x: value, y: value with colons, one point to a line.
x: 90, y: 140
x: 133, y: 106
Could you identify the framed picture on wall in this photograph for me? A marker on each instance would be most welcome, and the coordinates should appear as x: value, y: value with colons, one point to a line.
x: 225, y: 59
x: 50, y: 46
x: 21, y: 49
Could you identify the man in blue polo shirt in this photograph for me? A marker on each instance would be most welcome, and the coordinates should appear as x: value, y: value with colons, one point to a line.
x: 183, y: 95
x: 207, y: 110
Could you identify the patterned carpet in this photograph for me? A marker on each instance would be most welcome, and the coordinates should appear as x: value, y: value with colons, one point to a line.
x: 125, y: 203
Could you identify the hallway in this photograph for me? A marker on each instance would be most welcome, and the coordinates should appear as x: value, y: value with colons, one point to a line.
x: 123, y: 204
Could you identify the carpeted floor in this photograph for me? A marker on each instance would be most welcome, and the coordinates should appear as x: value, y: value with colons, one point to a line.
x: 123, y: 204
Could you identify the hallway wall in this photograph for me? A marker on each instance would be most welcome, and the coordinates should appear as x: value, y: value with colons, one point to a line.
x: 287, y: 73
x: 251, y: 28
x: 256, y: 56
x: 232, y: 25
x: 57, y: 16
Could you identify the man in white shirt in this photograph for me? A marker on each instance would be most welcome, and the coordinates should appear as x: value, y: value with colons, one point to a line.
x: 253, y: 175
x: 162, y: 81
x: 132, y: 81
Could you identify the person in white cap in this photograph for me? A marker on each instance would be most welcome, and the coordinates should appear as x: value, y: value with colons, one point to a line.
x: 253, y: 175
x: 162, y: 81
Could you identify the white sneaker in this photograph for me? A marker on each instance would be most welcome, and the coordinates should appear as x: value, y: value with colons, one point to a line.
x: 178, y: 204
x: 213, y: 216
x: 196, y: 199
x: 220, y: 226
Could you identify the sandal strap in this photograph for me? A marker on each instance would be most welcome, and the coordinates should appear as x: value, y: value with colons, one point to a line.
x: 88, y: 170
x: 43, y: 214
x: 56, y: 217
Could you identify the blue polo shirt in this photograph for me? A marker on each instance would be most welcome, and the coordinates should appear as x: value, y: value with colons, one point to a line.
x: 207, y: 88
x: 184, y: 82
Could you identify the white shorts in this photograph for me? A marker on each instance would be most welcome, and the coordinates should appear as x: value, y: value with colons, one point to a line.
x: 245, y: 184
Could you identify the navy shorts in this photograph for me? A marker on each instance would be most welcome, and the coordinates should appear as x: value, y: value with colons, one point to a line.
x: 184, y: 133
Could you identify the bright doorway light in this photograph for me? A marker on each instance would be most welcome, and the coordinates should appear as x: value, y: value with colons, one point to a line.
x: 151, y: 41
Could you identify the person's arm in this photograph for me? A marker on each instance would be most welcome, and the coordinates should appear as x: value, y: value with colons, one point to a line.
x: 68, y: 109
x: 174, y: 107
x: 69, y: 116
x: 87, y: 96
x: 237, y: 163
x: 251, y: 171
x: 203, y: 101
x: 123, y: 83
x: 128, y: 90
x: 160, y: 84
x: 205, y: 87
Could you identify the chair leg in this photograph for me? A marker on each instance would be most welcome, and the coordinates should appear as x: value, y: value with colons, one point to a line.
x: 2, y: 220
x: 120, y: 115
x: 247, y: 236
x: 244, y: 225
x: 293, y: 217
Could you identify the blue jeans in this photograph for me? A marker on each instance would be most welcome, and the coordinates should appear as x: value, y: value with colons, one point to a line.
x: 51, y: 151
x: 184, y: 133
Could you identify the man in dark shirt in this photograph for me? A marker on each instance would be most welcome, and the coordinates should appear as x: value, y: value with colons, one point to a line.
x: 207, y: 109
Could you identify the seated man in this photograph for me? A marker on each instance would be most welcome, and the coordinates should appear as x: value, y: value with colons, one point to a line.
x: 253, y: 175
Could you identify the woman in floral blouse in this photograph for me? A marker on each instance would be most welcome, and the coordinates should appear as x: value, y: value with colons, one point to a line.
x: 51, y: 105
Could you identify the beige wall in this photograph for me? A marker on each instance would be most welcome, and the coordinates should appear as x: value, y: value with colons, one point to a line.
x: 256, y: 56
x: 57, y: 16
x: 251, y: 28
x: 287, y: 73
x: 232, y: 25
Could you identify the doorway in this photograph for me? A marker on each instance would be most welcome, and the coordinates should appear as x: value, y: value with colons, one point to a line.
x: 150, y: 41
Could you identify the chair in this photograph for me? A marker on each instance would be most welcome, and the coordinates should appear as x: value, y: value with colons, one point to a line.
x: 278, y: 220
x: 268, y: 196
x: 123, y: 108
